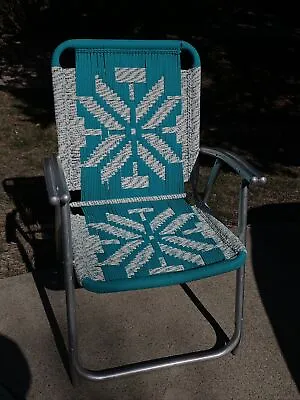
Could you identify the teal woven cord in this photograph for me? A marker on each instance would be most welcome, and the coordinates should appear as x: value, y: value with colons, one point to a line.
x: 147, y: 244
x: 136, y: 224
x: 143, y: 239
x: 129, y: 101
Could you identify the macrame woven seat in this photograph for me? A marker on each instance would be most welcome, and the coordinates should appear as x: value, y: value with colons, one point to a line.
x: 128, y: 130
x: 129, y: 246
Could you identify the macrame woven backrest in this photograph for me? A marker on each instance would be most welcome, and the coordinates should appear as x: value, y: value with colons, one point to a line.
x: 128, y: 122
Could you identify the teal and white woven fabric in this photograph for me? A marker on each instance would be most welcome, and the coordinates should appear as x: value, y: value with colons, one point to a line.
x: 128, y: 128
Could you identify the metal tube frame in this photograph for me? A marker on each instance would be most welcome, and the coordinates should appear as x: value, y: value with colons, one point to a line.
x: 76, y: 369
x: 59, y: 196
x: 211, y: 179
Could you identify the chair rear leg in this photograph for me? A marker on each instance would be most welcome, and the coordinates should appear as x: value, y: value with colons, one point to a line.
x: 239, y: 305
x: 240, y: 273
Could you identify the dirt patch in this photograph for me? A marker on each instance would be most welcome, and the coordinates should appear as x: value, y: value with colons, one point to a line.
x: 23, y: 146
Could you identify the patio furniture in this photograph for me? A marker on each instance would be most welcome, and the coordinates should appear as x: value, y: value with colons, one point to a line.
x: 128, y: 125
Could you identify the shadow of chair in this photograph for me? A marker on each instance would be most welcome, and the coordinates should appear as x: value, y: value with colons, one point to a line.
x: 30, y: 226
x: 275, y: 233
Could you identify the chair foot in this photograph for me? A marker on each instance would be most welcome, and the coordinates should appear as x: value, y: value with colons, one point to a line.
x: 74, y: 377
x: 236, y: 349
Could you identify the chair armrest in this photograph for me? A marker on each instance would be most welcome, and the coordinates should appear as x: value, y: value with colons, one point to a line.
x: 56, y: 184
x: 237, y: 163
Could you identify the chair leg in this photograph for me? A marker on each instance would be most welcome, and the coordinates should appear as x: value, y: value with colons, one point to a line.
x: 69, y: 278
x: 72, y: 331
x: 239, y: 304
x: 240, y: 273
x: 76, y: 369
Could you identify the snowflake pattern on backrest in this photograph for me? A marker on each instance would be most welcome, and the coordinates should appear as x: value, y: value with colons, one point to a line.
x: 135, y: 149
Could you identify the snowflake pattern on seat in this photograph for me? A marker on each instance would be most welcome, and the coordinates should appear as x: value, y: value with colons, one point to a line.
x: 153, y: 238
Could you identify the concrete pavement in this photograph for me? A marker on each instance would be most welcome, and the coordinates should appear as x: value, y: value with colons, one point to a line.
x: 128, y: 327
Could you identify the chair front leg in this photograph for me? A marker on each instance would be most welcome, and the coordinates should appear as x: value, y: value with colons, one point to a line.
x: 69, y: 280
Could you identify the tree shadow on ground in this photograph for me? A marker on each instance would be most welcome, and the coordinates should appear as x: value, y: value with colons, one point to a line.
x: 15, y: 376
x: 275, y: 237
x: 251, y: 68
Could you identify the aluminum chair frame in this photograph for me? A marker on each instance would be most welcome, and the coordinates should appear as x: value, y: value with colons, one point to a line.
x: 59, y: 197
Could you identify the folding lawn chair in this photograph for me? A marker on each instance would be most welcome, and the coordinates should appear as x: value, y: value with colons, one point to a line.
x: 128, y: 123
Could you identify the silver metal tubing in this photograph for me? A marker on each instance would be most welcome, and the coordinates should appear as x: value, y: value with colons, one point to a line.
x: 240, y: 273
x: 243, y: 209
x: 239, y: 305
x: 51, y: 184
x: 257, y: 176
x: 55, y: 181
x: 239, y: 299
x: 211, y: 180
x: 175, y: 360
x: 237, y: 163
x: 70, y: 288
x: 151, y: 365
x: 76, y: 369
x: 58, y: 235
